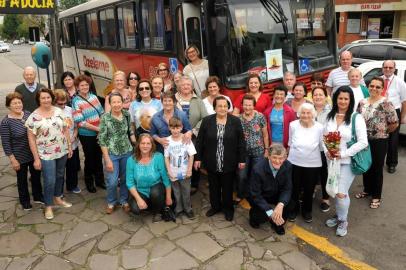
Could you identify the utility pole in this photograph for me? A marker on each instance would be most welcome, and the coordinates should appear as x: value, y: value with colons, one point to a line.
x: 55, y: 41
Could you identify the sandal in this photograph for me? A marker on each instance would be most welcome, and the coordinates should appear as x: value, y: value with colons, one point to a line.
x: 375, y: 203
x: 361, y: 195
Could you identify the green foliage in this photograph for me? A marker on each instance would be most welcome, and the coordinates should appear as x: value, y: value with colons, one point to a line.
x: 10, y: 24
x: 16, y: 26
x: 65, y: 4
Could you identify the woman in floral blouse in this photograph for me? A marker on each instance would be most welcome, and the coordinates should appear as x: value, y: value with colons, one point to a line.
x: 381, y: 119
x: 49, y: 140
x: 114, y: 139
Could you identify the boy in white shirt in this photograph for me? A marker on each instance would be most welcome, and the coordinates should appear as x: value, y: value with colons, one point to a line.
x: 179, y: 162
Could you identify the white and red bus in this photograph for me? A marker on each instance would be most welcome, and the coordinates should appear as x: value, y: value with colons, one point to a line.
x: 102, y: 36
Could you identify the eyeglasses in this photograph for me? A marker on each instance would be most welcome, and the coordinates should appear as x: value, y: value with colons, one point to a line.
x: 317, y: 83
x: 133, y: 78
x: 144, y: 89
x: 61, y: 103
x: 191, y: 51
x: 163, y: 69
x: 388, y: 67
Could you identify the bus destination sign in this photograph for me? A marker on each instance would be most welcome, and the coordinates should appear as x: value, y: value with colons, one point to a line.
x: 27, y: 6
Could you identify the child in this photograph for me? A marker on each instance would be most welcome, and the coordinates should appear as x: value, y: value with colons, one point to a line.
x: 179, y: 161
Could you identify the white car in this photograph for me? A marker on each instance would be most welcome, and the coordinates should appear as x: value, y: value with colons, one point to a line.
x: 374, y: 68
x: 4, y: 47
x: 16, y: 42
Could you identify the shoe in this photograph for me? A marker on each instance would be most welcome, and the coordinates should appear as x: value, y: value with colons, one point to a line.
x: 49, y: 214
x: 190, y: 215
x: 391, y: 169
x: 193, y: 190
x: 109, y: 209
x: 211, y: 212
x: 292, y: 217
x: 26, y: 206
x: 39, y: 201
x: 101, y: 185
x: 156, y: 218
x: 91, y: 189
x: 332, y: 222
x: 76, y: 190
x: 126, y: 207
x: 64, y: 204
x: 307, y: 217
x: 375, y: 203
x: 229, y: 216
x: 254, y: 224
x: 342, y: 228
x: 324, y: 207
x: 280, y: 230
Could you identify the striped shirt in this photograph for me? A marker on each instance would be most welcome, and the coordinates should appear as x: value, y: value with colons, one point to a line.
x: 339, y: 77
x: 14, y: 138
x: 87, y: 111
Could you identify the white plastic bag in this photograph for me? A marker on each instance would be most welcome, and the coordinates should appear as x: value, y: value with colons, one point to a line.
x: 333, y: 177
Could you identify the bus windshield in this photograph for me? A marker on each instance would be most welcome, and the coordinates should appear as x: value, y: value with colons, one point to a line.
x: 245, y: 29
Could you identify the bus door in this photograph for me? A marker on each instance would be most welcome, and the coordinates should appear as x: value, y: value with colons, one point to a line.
x: 69, y: 55
x: 192, y: 23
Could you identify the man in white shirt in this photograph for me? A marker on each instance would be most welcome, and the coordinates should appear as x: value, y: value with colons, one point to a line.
x: 395, y: 91
x: 339, y: 76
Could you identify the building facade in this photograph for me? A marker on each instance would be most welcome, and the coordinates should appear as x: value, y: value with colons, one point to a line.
x: 358, y: 19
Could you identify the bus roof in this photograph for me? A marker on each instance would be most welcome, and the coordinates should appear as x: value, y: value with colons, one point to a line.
x: 92, y: 4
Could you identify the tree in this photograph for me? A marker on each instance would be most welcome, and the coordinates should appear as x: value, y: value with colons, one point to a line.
x: 10, y: 24
x: 65, y: 4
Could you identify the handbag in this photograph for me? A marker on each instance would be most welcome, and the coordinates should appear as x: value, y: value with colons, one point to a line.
x: 361, y: 161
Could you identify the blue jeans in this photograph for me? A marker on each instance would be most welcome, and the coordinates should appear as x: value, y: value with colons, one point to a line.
x: 245, y: 175
x: 53, y: 172
x: 343, y: 204
x: 119, y: 171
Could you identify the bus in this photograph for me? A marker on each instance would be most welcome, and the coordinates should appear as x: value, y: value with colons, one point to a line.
x: 237, y: 37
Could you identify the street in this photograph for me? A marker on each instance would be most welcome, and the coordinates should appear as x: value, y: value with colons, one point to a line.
x: 83, y: 237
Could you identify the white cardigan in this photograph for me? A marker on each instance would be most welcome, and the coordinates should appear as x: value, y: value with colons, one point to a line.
x: 345, y: 131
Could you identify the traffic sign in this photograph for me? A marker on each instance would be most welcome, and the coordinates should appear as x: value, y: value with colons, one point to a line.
x: 173, y: 65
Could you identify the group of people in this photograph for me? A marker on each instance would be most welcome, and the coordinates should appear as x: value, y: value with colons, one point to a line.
x: 155, y: 137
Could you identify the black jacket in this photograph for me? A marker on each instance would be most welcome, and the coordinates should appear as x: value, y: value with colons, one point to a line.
x: 264, y: 185
x: 234, y: 144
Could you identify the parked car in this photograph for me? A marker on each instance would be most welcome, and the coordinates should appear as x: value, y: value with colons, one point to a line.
x: 4, y: 47
x: 372, y: 69
x: 367, y: 50
x: 16, y: 42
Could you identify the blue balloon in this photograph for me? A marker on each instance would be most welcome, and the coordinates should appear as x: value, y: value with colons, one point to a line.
x: 41, y: 54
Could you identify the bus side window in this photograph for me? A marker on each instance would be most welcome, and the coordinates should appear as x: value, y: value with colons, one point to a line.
x: 127, y: 26
x: 108, y: 27
x: 80, y: 29
x: 180, y: 44
x: 193, y: 32
x: 93, y: 29
x: 168, y: 26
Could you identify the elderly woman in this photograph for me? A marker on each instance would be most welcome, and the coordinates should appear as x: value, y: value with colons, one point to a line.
x: 163, y: 72
x: 133, y: 79
x: 176, y: 81
x: 299, y: 92
x: 213, y: 90
x: 322, y: 107
x: 278, y: 117
x: 340, y: 119
x: 49, y: 140
x: 87, y: 113
x: 253, y: 87
x: 197, y: 69
x: 221, y: 148
x: 381, y: 119
x: 114, y: 139
x: 360, y: 91
x: 15, y: 145
x: 147, y: 180
x: 72, y: 164
x: 157, y: 87
x: 120, y: 86
x: 304, y: 154
x: 144, y: 103
x: 68, y: 82
x: 160, y: 121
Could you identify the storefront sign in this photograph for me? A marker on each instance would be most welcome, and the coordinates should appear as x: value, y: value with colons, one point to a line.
x: 27, y: 6
x: 373, y: 27
x: 371, y: 6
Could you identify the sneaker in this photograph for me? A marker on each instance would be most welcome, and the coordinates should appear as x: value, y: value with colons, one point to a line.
x: 307, y: 217
x: 26, y: 206
x: 190, y: 215
x: 324, y: 207
x: 342, y: 228
x: 76, y: 190
x: 39, y: 201
x: 292, y: 216
x: 49, y: 214
x: 332, y: 222
x: 156, y: 218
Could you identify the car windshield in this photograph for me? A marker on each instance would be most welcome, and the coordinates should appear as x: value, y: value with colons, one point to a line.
x: 246, y: 29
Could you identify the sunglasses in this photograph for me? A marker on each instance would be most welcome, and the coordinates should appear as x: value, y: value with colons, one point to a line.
x: 144, y: 89
x: 164, y: 69
x: 133, y: 78
x: 317, y: 83
x: 61, y: 103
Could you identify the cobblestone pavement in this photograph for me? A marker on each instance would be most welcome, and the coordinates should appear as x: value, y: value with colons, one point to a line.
x: 84, y: 237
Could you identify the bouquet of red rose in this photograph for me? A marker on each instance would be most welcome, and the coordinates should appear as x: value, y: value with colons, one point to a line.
x: 332, y: 142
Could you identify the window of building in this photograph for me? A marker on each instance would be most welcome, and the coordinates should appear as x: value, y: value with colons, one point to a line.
x: 80, y: 29
x: 93, y: 29
x: 108, y: 27
x: 354, y: 22
x: 398, y: 53
x: 127, y: 26
x: 373, y: 52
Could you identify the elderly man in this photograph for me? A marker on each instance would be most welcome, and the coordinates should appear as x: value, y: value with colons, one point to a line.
x: 29, y: 89
x: 395, y: 91
x: 289, y: 80
x: 270, y: 189
x: 339, y: 76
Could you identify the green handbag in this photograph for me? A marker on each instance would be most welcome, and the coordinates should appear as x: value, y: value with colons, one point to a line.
x: 361, y: 161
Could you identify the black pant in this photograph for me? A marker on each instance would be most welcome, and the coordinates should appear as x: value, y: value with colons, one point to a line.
x: 93, y: 160
x: 303, y: 179
x: 221, y: 191
x: 155, y: 202
x: 195, y: 178
x: 258, y: 215
x: 323, y: 176
x: 22, y: 183
x: 72, y: 171
x: 393, y: 143
x: 373, y: 178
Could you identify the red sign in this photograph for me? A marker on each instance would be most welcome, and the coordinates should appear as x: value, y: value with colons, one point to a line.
x: 371, y: 6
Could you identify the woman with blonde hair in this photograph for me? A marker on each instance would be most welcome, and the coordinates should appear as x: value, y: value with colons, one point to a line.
x: 163, y: 72
x: 157, y: 86
x: 120, y: 86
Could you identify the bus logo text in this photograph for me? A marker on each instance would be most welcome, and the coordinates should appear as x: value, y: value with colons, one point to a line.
x: 96, y: 64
